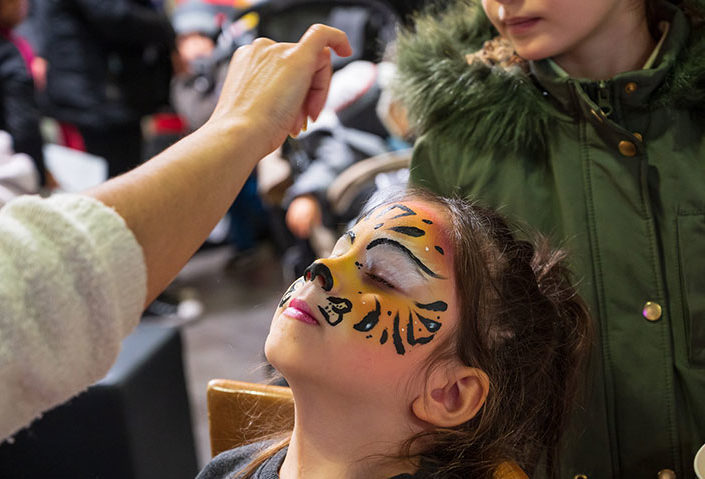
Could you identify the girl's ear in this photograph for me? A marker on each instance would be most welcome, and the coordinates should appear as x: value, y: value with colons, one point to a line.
x: 453, y: 396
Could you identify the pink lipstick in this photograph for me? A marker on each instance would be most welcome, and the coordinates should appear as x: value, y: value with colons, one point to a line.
x: 299, y: 310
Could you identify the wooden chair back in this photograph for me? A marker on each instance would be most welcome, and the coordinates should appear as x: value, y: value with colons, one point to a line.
x: 239, y: 412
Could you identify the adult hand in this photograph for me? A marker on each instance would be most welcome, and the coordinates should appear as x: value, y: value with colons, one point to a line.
x: 275, y: 87
x: 302, y: 215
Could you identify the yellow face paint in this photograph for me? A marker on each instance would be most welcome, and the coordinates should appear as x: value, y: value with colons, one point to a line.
x: 389, y: 280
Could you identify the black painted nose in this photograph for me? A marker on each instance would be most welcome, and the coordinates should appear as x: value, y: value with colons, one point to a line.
x: 319, y: 269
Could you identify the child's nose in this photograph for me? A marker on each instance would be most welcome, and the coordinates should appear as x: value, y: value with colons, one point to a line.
x: 318, y: 269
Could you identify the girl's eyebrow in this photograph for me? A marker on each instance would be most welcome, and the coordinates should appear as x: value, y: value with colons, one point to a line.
x: 407, y: 252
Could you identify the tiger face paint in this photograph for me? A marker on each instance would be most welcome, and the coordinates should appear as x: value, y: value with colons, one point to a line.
x: 388, y: 285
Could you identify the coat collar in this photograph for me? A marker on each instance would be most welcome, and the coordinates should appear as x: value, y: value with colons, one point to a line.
x: 632, y: 89
x: 500, y: 108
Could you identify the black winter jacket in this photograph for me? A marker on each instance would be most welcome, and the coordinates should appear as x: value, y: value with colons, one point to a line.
x: 19, y: 115
x: 108, y: 60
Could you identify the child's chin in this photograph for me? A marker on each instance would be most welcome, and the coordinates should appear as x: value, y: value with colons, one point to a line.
x: 281, y: 353
x: 271, y: 346
x: 534, y: 50
x: 531, y: 55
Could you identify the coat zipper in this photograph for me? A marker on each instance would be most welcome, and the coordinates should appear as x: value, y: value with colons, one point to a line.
x: 603, y: 98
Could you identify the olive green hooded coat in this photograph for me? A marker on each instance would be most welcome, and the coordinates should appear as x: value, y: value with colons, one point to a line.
x: 614, y: 170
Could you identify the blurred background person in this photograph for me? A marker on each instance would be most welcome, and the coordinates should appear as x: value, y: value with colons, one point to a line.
x: 194, y: 94
x: 197, y: 24
x: 19, y: 114
x: 107, y: 65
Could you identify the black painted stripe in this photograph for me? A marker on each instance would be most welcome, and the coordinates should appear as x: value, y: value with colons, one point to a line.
x: 431, y: 325
x: 398, y: 344
x: 411, y: 339
x: 435, y: 306
x: 406, y: 211
x: 409, y: 231
x: 370, y: 320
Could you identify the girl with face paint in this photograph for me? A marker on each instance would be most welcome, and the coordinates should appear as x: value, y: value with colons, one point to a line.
x: 431, y: 344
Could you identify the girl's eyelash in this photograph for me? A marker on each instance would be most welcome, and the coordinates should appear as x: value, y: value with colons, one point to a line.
x: 380, y: 280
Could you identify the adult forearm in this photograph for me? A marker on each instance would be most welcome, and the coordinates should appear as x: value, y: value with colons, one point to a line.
x: 172, y: 202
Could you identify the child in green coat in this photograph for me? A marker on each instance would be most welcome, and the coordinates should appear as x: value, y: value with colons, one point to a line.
x: 585, y: 119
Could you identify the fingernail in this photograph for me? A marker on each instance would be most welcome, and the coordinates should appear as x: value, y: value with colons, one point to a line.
x: 305, y: 127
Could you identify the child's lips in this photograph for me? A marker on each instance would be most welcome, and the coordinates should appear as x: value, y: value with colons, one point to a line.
x: 299, y: 310
x: 520, y: 24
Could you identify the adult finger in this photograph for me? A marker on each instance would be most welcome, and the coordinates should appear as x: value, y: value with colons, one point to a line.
x: 320, y: 83
x: 319, y: 36
x: 318, y: 40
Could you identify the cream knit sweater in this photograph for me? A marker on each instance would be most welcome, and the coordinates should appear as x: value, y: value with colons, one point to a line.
x: 72, y: 286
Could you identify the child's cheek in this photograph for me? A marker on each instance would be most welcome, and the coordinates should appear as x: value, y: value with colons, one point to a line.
x: 372, y: 318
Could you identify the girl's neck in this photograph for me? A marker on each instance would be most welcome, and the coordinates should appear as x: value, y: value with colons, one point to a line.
x: 343, y: 440
x: 621, y: 45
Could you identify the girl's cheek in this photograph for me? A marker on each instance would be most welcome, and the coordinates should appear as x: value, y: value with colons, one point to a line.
x: 366, y: 298
x: 487, y: 7
x: 387, y: 304
x: 492, y: 12
x: 372, y: 312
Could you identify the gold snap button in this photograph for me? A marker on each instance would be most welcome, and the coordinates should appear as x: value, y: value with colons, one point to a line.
x: 638, y: 136
x: 627, y: 148
x: 630, y: 88
x: 580, y: 476
x: 666, y: 474
x: 652, y: 311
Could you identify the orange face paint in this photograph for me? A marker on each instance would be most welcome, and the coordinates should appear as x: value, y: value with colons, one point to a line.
x: 389, y: 280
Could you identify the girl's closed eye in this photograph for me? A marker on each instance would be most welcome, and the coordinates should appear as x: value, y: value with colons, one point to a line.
x: 379, y: 279
x: 392, y: 270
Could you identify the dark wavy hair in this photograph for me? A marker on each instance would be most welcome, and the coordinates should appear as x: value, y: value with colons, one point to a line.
x: 523, y: 324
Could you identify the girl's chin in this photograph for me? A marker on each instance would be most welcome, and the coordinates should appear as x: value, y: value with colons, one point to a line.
x: 534, y: 50
x: 533, y: 54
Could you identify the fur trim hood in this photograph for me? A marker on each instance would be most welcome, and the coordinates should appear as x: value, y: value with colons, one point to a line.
x: 453, y: 72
